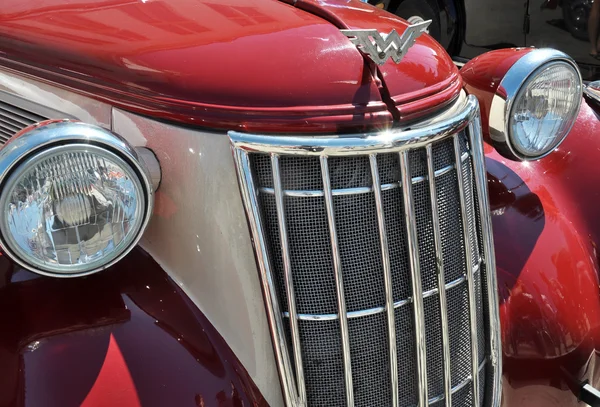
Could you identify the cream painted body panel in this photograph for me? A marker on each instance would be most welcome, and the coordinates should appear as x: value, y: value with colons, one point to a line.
x: 48, y: 100
x: 198, y: 233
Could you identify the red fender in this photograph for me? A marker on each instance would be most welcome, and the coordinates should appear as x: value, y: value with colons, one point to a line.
x: 127, y: 336
x: 546, y: 230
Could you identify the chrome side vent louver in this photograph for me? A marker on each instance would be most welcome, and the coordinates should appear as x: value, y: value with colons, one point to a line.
x: 14, y: 119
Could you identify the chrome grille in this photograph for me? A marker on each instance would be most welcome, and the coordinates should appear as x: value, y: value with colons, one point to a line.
x: 14, y: 119
x: 353, y: 242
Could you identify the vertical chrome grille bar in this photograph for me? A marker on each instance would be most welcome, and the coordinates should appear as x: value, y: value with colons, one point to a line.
x: 250, y: 199
x: 339, y: 281
x: 289, y: 283
x: 489, y: 259
x: 387, y: 273
x: 254, y: 165
x: 417, y: 289
x: 469, y: 271
x: 439, y: 261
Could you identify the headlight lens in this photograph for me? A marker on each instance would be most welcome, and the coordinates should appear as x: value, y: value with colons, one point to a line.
x: 71, y: 208
x: 535, y: 104
x: 74, y: 198
x: 545, y: 109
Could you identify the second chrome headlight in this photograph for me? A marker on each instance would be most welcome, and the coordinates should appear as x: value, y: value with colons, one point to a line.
x: 536, y: 104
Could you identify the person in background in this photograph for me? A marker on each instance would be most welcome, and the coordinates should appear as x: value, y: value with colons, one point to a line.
x: 593, y: 23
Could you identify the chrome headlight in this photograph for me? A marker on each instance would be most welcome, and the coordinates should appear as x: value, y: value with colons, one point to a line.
x: 536, y: 104
x: 74, y: 199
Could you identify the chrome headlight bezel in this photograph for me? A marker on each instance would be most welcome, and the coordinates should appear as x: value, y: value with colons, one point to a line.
x: 32, y: 142
x: 508, y: 92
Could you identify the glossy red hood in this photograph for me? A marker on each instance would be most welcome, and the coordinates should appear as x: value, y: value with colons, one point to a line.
x: 254, y: 65
x: 425, y: 79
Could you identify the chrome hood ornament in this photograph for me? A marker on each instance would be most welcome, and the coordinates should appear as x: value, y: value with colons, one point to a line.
x: 380, y: 47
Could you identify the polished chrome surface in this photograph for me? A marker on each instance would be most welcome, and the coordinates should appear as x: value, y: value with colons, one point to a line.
x: 377, y: 310
x: 456, y: 388
x: 364, y: 190
x: 507, y: 92
x: 85, y: 203
x: 380, y: 47
x: 400, y: 142
x: 387, y: 275
x: 489, y: 261
x: 592, y: 90
x: 152, y: 165
x: 464, y: 208
x: 289, y: 283
x: 272, y: 304
x: 337, y: 266
x: 48, y: 136
x: 417, y: 290
x: 439, y: 262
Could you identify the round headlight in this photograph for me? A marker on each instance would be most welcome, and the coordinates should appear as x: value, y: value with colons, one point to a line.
x: 74, y: 199
x: 536, y: 105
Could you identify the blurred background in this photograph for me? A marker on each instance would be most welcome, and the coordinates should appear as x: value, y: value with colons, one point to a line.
x: 468, y: 28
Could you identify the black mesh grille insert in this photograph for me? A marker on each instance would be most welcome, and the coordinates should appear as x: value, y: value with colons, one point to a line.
x: 362, y: 270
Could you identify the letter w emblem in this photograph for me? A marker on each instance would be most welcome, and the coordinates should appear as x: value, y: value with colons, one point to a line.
x: 380, y: 47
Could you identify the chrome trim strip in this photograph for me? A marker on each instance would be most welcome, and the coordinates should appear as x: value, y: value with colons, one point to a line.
x: 289, y: 283
x: 337, y: 266
x: 359, y: 190
x: 439, y: 261
x: 384, y: 142
x: 489, y: 260
x: 415, y: 268
x: 250, y: 200
x: 377, y: 310
x: 470, y: 279
x: 387, y: 274
x: 458, y: 387
x: 592, y: 90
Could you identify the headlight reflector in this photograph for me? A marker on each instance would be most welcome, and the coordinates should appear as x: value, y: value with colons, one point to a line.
x: 74, y: 199
x: 545, y: 109
x: 71, y: 208
x: 535, y: 105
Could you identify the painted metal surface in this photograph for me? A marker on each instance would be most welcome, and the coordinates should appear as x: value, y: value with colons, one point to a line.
x: 546, y: 255
x: 124, y: 337
x: 426, y: 80
x: 482, y: 76
x: 546, y: 229
x: 198, y: 172
x: 267, y: 66
x: 545, y: 217
x: 199, y: 234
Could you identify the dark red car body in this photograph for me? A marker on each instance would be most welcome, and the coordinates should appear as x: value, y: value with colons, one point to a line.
x: 128, y: 336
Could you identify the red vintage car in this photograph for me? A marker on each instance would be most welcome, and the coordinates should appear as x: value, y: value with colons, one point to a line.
x: 290, y: 203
